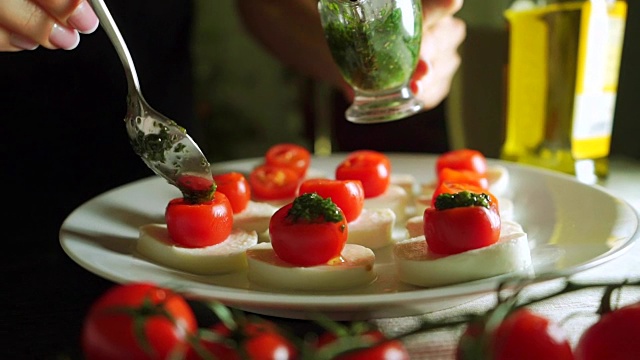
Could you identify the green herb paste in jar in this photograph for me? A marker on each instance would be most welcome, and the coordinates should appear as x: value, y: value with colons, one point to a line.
x: 379, y: 52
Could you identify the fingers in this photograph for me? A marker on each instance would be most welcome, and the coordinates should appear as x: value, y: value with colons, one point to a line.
x: 54, y: 24
x: 439, y: 60
x: 435, y: 10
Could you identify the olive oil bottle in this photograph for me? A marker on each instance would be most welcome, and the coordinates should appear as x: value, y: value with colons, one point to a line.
x: 564, y: 59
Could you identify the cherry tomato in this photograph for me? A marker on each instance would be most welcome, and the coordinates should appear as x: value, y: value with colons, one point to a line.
x: 372, y: 168
x: 377, y: 348
x: 347, y: 194
x: 306, y: 242
x: 523, y: 335
x: 269, y: 182
x: 253, y: 340
x: 291, y: 156
x: 199, y: 225
x: 236, y: 188
x: 462, y: 159
x: 614, y: 336
x: 446, y: 187
x: 459, y: 229
x: 137, y: 321
x: 463, y: 177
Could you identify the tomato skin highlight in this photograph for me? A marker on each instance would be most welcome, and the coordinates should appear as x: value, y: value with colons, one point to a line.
x: 462, y: 159
x: 199, y: 225
x: 348, y: 195
x: 269, y: 182
x: 372, y: 168
x: 108, y: 329
x: 289, y: 155
x: 306, y: 243
x: 382, y: 350
x: 456, y: 230
x: 523, y: 335
x: 236, y: 188
x: 614, y: 336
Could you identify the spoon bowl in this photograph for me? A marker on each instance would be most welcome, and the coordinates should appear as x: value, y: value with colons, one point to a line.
x: 162, y: 144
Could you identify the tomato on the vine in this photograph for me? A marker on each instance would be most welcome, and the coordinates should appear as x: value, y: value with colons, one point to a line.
x: 614, y: 336
x: 309, y: 231
x: 270, y: 182
x: 236, y: 187
x: 289, y: 155
x: 252, y: 339
x: 137, y: 321
x: 199, y: 225
x: 373, y: 346
x: 371, y: 167
x: 522, y: 335
x: 348, y: 195
x: 460, y: 222
x: 462, y: 159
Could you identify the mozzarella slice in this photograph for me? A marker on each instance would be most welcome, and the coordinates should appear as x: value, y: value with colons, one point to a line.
x: 228, y: 256
x: 255, y: 217
x: 406, y: 181
x: 355, y: 269
x: 395, y: 198
x: 417, y: 266
x: 373, y: 228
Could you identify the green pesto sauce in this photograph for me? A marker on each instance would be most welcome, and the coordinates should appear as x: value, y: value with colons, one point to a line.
x: 311, y: 207
x: 462, y: 199
x: 152, y: 147
x: 379, y: 54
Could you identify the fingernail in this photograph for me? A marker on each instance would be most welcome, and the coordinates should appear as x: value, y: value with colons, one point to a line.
x: 22, y: 42
x: 64, y: 38
x: 84, y: 19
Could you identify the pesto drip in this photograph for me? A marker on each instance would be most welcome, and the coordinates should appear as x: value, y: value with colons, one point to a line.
x: 312, y: 207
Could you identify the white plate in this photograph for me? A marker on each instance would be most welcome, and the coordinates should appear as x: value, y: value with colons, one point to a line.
x: 574, y: 227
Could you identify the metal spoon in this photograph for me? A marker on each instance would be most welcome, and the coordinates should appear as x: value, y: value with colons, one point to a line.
x: 163, y: 145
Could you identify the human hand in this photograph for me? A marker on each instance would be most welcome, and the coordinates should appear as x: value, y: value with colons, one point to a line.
x: 442, y: 34
x: 54, y: 24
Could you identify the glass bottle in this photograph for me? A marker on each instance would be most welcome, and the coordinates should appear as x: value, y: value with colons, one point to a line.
x: 564, y: 59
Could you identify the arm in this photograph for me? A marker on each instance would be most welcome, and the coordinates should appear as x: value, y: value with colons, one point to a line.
x: 291, y: 31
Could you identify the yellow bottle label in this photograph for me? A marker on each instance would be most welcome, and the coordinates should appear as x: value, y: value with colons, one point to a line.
x: 601, y: 38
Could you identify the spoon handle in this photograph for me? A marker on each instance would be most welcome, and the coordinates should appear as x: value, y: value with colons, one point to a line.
x: 110, y: 27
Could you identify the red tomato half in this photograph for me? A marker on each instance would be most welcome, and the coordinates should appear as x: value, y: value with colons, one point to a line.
x: 269, y: 182
x: 291, y: 156
x: 456, y: 230
x: 253, y: 340
x: 348, y: 195
x: 137, y: 321
x: 372, y: 168
x: 462, y: 159
x: 236, y: 187
x: 199, y: 225
x: 306, y: 243
x: 614, y: 336
x: 463, y: 177
x: 523, y: 335
x: 382, y: 350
